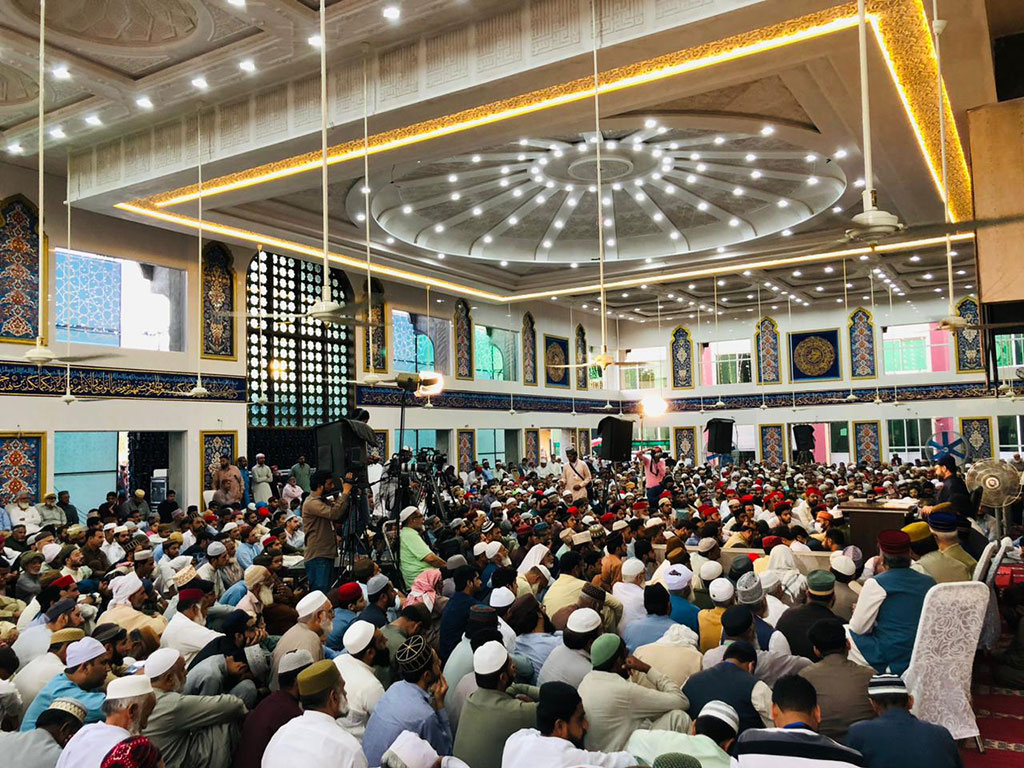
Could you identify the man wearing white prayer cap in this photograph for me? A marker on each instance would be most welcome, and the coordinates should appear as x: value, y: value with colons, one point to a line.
x: 190, y: 731
x: 87, y: 664
x: 365, y: 648
x: 501, y: 598
x: 630, y: 592
x: 679, y: 581
x: 316, y: 616
x: 410, y: 751
x: 492, y: 713
x: 711, y: 735
x: 709, y: 620
x: 570, y: 662
x: 130, y: 701
x: 128, y: 594
x: 215, y: 568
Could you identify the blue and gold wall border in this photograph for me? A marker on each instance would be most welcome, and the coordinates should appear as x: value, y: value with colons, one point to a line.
x: 556, y: 362
x: 580, y: 344
x: 684, y: 444
x: 384, y: 444
x: 529, y: 342
x: 977, y: 433
x: 531, y: 445
x: 867, y: 441
x: 462, y: 324
x: 213, y: 445
x: 814, y: 356
x: 680, y: 352
x: 220, y: 299
x: 967, y: 343
x: 465, y: 449
x: 19, y: 271
x: 767, y: 352
x: 772, y: 442
x: 22, y: 465
x: 861, y: 335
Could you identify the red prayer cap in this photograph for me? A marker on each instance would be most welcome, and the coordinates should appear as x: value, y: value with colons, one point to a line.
x: 878, y: 489
x: 812, y: 491
x: 770, y: 541
x: 350, y: 592
x: 894, y: 542
x: 707, y: 510
x: 608, y: 517
x: 783, y: 506
x: 63, y: 582
x: 523, y: 529
x: 190, y: 596
x: 640, y: 505
x: 747, y: 499
x: 665, y: 495
x: 269, y: 540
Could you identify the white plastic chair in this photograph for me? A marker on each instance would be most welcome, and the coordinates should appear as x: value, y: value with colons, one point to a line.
x: 993, y: 624
x: 1004, y: 546
x: 207, y: 498
x: 982, y: 566
x: 939, y: 675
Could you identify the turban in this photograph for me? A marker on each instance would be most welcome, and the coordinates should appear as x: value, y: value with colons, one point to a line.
x: 255, y: 575
x: 123, y: 588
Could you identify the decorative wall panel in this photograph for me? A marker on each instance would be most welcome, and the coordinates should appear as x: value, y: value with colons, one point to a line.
x: 465, y: 449
x: 773, y: 443
x: 529, y: 351
x: 867, y: 441
x: 862, y: 345
x: 556, y: 361
x: 766, y: 347
x: 384, y: 444
x: 814, y: 356
x: 463, y: 340
x: 977, y: 433
x: 583, y: 441
x: 681, y: 355
x: 22, y: 465
x: 19, y: 270
x: 531, y: 445
x: 213, y: 445
x: 685, y: 441
x: 968, y: 341
x: 218, y: 303
x: 88, y: 299
x: 379, y: 334
x: 582, y: 374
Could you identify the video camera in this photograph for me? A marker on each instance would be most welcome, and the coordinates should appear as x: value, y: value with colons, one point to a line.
x: 343, y: 448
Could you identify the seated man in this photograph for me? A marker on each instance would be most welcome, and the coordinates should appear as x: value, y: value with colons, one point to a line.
x: 924, y: 550
x: 738, y: 624
x: 711, y: 736
x: 842, y: 686
x: 897, y: 739
x: 796, y: 621
x: 655, y: 623
x: 732, y: 681
x: 88, y: 664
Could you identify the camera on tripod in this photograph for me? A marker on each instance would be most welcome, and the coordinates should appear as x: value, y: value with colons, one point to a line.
x: 429, y: 458
x: 343, y: 448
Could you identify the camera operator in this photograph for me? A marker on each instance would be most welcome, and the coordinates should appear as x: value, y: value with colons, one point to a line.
x: 320, y: 512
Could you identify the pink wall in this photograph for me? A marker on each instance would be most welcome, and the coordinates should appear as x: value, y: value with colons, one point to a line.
x: 820, y: 442
x: 941, y: 346
x: 707, y: 374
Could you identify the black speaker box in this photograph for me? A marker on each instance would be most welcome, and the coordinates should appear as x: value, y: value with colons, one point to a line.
x: 719, y: 435
x: 803, y: 437
x: 616, y: 438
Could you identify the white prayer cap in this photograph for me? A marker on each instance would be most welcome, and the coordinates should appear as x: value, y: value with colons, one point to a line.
x: 653, y: 522
x: 492, y: 549
x: 721, y: 711
x: 678, y: 577
x: 121, y: 529
x: 143, y: 555
x: 310, y: 604
x: 406, y: 513
x: 582, y: 538
x: 216, y: 549
x: 842, y: 564
x: 124, y: 587
x: 81, y: 651
x: 489, y: 658
x: 710, y: 570
x: 618, y: 525
x: 502, y: 597
x: 587, y: 519
x: 358, y: 636
x: 50, y: 551
x: 161, y: 661
x: 128, y: 687
x: 583, y: 620
x: 721, y: 590
x: 769, y: 579
x: 632, y: 568
x: 479, y: 548
x: 293, y: 660
x: 230, y: 526
x: 544, y: 570
x: 180, y: 562
x: 412, y: 751
x: 495, y: 504
x: 109, y: 527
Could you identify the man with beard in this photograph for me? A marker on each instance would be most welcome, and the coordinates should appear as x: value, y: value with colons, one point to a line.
x: 315, y: 617
x: 21, y: 512
x: 187, y: 632
x: 273, y: 712
x: 557, y: 741
x: 258, y: 591
x: 190, y: 731
x: 130, y: 701
x: 367, y: 648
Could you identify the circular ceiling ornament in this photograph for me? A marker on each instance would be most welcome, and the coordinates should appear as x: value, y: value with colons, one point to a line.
x: 118, y: 22
x: 667, y: 189
x: 16, y: 87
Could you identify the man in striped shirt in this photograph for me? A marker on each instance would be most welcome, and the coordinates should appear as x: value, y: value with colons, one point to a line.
x: 794, y: 742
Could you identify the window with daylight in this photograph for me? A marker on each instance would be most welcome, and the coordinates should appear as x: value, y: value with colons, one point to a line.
x: 650, y: 437
x: 1010, y: 351
x: 418, y: 345
x: 495, y: 352
x: 649, y: 371
x: 727, y: 362
x: 497, y: 445
x: 299, y: 367
x: 118, y: 303
x: 908, y: 437
x: 1011, y: 436
x: 916, y: 348
x: 416, y: 439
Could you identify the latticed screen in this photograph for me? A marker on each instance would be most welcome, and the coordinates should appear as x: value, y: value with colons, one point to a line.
x: 299, y: 365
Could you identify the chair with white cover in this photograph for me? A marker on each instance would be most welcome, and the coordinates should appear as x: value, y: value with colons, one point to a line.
x: 985, y: 561
x: 993, y: 625
x: 1004, y: 546
x: 207, y: 498
x: 939, y: 675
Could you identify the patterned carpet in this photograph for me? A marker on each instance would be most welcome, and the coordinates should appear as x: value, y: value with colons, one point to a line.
x: 1000, y: 713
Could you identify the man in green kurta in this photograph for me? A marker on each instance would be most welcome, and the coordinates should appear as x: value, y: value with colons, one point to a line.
x: 414, y: 554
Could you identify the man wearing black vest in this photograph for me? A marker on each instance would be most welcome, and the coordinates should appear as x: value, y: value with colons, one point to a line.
x: 732, y: 681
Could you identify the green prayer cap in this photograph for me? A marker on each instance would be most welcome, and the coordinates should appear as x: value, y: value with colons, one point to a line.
x: 318, y: 677
x: 604, y: 648
x: 821, y: 582
x: 676, y: 760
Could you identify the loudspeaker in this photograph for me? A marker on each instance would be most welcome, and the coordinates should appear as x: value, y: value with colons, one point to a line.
x: 616, y: 438
x: 719, y: 435
x: 803, y: 437
x: 343, y: 446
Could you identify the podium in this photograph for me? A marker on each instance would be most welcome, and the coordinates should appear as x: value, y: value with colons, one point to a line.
x: 868, y: 519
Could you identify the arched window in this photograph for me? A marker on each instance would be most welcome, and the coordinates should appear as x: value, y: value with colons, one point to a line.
x: 300, y: 367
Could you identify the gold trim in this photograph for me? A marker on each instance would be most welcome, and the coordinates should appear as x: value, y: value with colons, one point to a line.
x: 874, y: 340
x: 457, y: 456
x: 693, y: 441
x: 45, y: 481
x: 993, y: 437
x: 237, y: 327
x: 568, y: 371
x: 789, y: 356
x: 785, y: 440
x: 522, y: 343
x: 472, y: 342
x: 44, y: 278
x: 756, y: 358
x: 671, y: 360
x: 202, y: 456
x: 956, y: 339
x: 853, y: 438
x: 536, y: 432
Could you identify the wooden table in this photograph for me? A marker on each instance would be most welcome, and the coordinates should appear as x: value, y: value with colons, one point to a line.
x: 868, y: 519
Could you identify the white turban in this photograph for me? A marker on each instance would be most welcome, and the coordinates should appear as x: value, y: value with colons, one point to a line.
x: 124, y: 587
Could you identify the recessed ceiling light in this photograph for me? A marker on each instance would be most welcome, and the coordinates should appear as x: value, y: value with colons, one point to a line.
x: 768, y: 130
x: 928, y: 276
x: 691, y: 286
x: 440, y: 256
x: 953, y: 253
x: 314, y: 40
x: 390, y: 241
x: 812, y: 180
x: 797, y: 273
x: 839, y: 154
x: 859, y: 183
x: 14, y: 148
x: 200, y: 83
x: 787, y: 232
x: 837, y: 209
x: 57, y: 133
x: 93, y: 120
x: 650, y: 122
x: 456, y: 195
x: 750, y: 157
x: 783, y: 203
x: 820, y: 288
x: 237, y: 3
x: 737, y: 191
x: 360, y: 217
x: 61, y: 72
x: 406, y: 209
x: 961, y: 271
x: 439, y: 227
x: 478, y: 211
x: 690, y: 179
x: 702, y: 206
x: 574, y: 265
x: 721, y: 283
x: 863, y: 257
x: 247, y: 65
x: 811, y: 157
x: 513, y: 220
x: 720, y: 249
x: 734, y: 222
x: 504, y: 263
x: 755, y: 174
x: 610, y: 241
x: 701, y: 167
x: 546, y: 243
x: 968, y: 287
x: 144, y: 102
x: 746, y: 273
x: 392, y: 12
x: 915, y: 258
x: 517, y: 192
x: 488, y: 239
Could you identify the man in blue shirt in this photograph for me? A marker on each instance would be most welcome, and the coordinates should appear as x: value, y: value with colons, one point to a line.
x: 897, y: 739
x: 678, y: 579
x: 88, y: 664
x: 656, y: 623
x: 249, y: 548
x: 347, y: 601
x: 456, y: 612
x: 414, y: 703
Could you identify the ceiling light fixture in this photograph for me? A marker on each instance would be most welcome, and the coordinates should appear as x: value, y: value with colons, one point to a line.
x: 392, y: 12
x: 57, y: 133
x: 61, y: 72
x: 145, y: 102
x: 247, y: 65
x: 200, y: 83
x: 93, y: 120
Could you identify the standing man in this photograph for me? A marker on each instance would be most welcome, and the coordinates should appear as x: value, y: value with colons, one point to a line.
x: 228, y: 472
x: 301, y: 472
x: 318, y: 518
x: 70, y: 510
x: 952, y: 483
x: 262, y: 479
x: 414, y: 554
x: 243, y: 469
x: 654, y: 474
x: 576, y: 476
